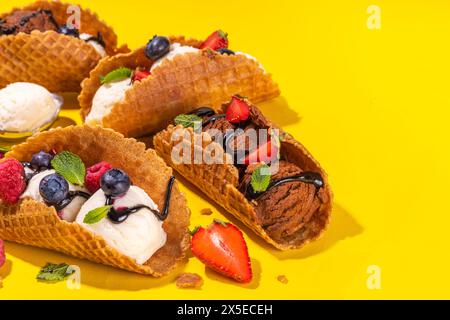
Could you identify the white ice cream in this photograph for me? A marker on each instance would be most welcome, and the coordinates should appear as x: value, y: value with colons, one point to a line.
x: 105, y: 98
x: 176, y: 49
x: 97, y: 46
x: 26, y: 107
x: 70, y: 212
x: 139, y: 236
x: 251, y: 58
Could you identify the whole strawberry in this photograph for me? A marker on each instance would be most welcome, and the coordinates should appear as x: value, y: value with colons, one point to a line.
x: 12, y: 180
x: 221, y: 246
x: 216, y: 41
x: 238, y: 110
x: 94, y: 174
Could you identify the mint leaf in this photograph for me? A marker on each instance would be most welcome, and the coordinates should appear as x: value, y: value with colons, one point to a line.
x: 70, y: 166
x: 261, y: 178
x: 189, y: 120
x: 96, y: 215
x: 54, y: 272
x: 121, y: 73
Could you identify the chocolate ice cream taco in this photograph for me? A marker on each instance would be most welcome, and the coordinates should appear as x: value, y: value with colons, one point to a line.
x: 40, y: 43
x: 270, y: 183
x: 139, y: 93
x: 91, y: 193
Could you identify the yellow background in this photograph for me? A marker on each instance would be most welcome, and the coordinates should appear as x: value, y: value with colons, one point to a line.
x: 373, y: 107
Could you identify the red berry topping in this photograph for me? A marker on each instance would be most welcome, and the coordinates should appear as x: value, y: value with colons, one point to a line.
x: 216, y: 41
x: 2, y: 155
x: 222, y: 247
x: 94, y: 174
x: 2, y: 253
x: 12, y: 180
x: 140, y: 75
x: 238, y: 110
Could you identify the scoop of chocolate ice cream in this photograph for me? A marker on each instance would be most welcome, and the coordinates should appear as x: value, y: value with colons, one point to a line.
x: 287, y: 208
x: 27, y: 21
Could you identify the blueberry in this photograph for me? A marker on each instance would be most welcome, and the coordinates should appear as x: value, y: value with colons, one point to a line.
x: 157, y: 48
x: 41, y: 160
x: 68, y: 31
x: 115, y: 183
x: 225, y: 51
x: 54, y: 189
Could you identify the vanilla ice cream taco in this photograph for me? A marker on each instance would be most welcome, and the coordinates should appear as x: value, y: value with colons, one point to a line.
x: 40, y: 43
x: 91, y: 193
x: 270, y: 183
x: 140, y: 92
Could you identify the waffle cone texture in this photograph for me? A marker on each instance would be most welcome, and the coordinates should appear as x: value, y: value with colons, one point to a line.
x: 36, y: 224
x: 190, y: 80
x: 220, y: 181
x: 56, y: 61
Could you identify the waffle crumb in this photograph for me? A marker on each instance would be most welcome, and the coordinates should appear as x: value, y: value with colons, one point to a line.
x: 206, y: 212
x: 282, y: 279
x: 189, y: 281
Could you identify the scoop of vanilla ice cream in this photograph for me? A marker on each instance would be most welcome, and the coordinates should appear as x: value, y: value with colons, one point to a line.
x: 95, y: 44
x: 69, y: 213
x: 26, y: 107
x: 105, y: 98
x: 175, y: 50
x: 139, y: 236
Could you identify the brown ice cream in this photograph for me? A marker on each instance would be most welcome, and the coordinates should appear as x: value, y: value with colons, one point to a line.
x: 285, y: 209
x: 27, y: 21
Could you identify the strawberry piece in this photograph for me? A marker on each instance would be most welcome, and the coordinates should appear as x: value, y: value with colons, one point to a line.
x: 2, y: 155
x: 140, y: 75
x: 216, y: 41
x: 12, y: 180
x: 266, y: 153
x: 2, y: 253
x: 238, y: 110
x: 221, y: 246
x: 94, y: 174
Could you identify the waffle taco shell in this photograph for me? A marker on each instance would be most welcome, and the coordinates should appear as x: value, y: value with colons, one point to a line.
x: 36, y: 224
x: 220, y: 181
x: 177, y: 86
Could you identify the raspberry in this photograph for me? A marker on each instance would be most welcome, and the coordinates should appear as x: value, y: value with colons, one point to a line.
x: 12, y: 181
x: 94, y: 174
x: 2, y: 254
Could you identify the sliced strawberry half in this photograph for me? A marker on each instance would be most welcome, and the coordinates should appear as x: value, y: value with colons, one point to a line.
x: 266, y: 152
x: 216, y: 41
x: 140, y: 75
x: 2, y: 253
x: 221, y: 246
x: 238, y: 110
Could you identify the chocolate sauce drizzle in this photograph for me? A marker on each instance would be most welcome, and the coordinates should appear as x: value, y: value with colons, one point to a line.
x: 99, y: 39
x: 120, y: 215
x: 313, y: 178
